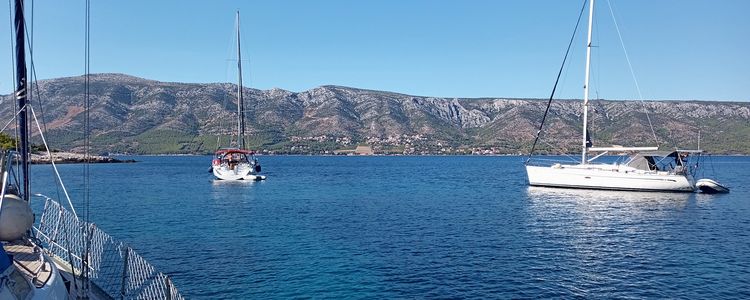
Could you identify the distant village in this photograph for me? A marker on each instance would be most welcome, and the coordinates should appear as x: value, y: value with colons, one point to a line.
x: 392, y: 145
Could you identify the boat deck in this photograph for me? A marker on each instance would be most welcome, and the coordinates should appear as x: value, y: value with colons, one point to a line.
x: 31, y: 263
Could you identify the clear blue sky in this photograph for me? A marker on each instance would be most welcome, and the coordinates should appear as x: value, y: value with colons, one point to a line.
x: 680, y: 49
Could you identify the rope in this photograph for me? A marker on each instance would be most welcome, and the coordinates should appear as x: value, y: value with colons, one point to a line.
x: 632, y: 73
x: 557, y: 80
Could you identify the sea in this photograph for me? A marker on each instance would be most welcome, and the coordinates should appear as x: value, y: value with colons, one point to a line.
x: 385, y: 227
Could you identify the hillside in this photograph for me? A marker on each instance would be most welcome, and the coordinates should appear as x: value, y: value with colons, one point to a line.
x: 135, y: 115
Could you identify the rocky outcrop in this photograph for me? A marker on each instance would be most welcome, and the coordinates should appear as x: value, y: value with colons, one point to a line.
x: 74, y: 158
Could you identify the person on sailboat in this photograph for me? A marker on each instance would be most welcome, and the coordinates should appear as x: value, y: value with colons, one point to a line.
x: 232, y: 161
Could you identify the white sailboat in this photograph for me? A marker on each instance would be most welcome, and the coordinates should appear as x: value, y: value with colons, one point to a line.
x: 237, y: 163
x: 646, y: 170
x: 60, y: 256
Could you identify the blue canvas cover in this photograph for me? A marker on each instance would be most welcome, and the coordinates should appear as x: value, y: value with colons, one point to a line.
x: 4, y: 260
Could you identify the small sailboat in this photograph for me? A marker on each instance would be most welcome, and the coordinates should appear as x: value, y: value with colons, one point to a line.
x: 237, y: 163
x: 647, y: 169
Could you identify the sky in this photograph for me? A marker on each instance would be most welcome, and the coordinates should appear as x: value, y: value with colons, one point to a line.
x: 678, y: 49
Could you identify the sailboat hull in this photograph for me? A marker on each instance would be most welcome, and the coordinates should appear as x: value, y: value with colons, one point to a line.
x: 239, y: 172
x: 608, y: 177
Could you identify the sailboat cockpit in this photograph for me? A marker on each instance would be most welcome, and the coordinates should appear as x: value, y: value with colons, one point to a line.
x: 674, y: 162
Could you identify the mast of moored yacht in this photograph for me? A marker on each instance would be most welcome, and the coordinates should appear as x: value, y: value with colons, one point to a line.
x: 586, y: 85
x: 240, y: 105
x: 21, y: 96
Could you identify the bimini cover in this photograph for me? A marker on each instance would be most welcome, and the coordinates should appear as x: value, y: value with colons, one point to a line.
x: 648, y: 161
x: 4, y: 260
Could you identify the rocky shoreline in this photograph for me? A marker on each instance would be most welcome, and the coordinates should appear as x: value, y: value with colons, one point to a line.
x: 75, y: 158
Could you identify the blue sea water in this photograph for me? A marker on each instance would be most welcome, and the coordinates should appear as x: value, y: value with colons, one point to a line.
x: 417, y: 227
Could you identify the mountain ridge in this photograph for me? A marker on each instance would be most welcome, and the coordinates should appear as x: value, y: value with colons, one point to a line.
x: 130, y: 114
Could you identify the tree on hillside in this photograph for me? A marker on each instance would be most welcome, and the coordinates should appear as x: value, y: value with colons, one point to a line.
x: 6, y: 142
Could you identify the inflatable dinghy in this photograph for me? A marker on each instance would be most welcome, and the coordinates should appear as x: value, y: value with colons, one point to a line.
x: 709, y: 186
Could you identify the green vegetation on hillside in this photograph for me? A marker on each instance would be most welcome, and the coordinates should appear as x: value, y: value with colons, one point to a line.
x: 6, y: 142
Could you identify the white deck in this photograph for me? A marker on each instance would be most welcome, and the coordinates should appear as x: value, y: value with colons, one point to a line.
x: 29, y: 263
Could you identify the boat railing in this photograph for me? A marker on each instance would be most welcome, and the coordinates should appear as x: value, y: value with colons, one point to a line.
x: 114, y: 267
x: 546, y: 161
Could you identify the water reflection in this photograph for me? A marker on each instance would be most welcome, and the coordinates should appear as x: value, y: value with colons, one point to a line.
x: 234, y: 190
x: 596, y: 208
x: 238, y: 183
x: 600, y: 238
x: 587, y: 200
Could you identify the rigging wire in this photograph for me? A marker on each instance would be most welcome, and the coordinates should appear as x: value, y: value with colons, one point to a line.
x: 18, y: 111
x: 632, y: 73
x: 13, y: 75
x: 28, y: 29
x: 54, y: 166
x: 87, y: 157
x: 597, y: 74
x: 557, y: 80
x: 229, y: 65
x: 32, y: 86
x: 12, y: 70
x: 562, y: 151
x: 35, y: 87
x: 43, y: 127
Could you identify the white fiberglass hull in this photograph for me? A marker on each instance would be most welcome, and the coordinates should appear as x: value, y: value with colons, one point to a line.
x: 242, y: 171
x: 54, y: 288
x: 607, y: 177
x: 19, y: 282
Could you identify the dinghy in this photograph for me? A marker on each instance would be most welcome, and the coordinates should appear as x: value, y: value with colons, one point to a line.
x: 710, y: 186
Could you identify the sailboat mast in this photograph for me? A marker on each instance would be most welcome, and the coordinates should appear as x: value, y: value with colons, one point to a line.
x: 240, y: 104
x: 21, y: 96
x: 586, y: 86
